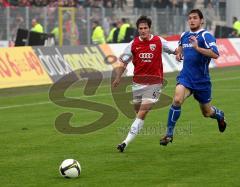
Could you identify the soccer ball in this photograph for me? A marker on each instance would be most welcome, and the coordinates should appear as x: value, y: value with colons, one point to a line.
x: 70, y: 168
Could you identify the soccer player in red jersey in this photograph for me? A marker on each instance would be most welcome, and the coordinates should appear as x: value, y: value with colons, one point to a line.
x: 145, y: 52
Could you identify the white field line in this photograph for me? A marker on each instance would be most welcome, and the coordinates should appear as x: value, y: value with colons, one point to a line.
x: 49, y: 102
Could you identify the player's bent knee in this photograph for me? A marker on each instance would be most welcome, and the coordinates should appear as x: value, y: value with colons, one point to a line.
x: 178, y: 101
x: 142, y: 114
x: 206, y: 114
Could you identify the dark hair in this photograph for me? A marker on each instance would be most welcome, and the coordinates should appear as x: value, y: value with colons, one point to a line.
x: 197, y: 11
x: 144, y: 19
x: 96, y: 22
x: 114, y: 24
x: 124, y: 20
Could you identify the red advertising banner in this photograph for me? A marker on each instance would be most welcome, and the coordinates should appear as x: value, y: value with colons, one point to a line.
x: 228, y: 55
x: 21, y: 67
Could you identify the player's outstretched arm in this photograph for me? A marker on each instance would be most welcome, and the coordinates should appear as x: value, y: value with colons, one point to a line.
x: 124, y: 59
x: 119, y: 71
x: 167, y: 48
x: 178, y: 53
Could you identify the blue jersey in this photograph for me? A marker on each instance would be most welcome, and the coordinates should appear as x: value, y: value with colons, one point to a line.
x: 195, y: 72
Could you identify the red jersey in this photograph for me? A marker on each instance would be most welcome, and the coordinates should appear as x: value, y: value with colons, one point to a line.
x: 147, y: 59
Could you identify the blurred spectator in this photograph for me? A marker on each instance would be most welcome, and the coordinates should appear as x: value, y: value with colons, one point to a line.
x: 108, y: 3
x: 209, y: 16
x: 97, y: 33
x: 52, y: 14
x: 80, y: 2
x: 13, y: 2
x: 17, y: 24
x: 88, y: 3
x: 96, y: 13
x: 121, y: 4
x: 206, y: 2
x: 116, y: 32
x: 24, y: 3
x: 70, y: 31
x: 36, y: 26
x: 236, y: 25
x: 137, y: 3
x: 122, y: 31
x: 233, y: 34
x: 143, y: 3
x: 62, y: 3
x: 67, y: 3
x: 162, y: 4
x: 174, y: 3
x: 97, y: 3
x: 4, y: 3
x: 93, y: 3
x: 82, y: 24
x: 39, y: 3
x: 146, y: 3
x: 55, y: 32
x: 131, y: 33
x: 111, y: 33
x: 190, y: 4
x: 222, y: 8
x: 72, y: 3
x: 52, y: 3
x: 184, y: 6
x: 106, y: 24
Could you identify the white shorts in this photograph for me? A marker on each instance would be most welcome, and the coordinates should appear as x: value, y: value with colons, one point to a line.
x: 149, y: 92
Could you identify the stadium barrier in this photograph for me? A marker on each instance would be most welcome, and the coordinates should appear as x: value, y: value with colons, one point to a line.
x: 29, y: 66
x: 229, y: 50
x: 4, y: 43
x: 59, y: 61
x: 21, y: 67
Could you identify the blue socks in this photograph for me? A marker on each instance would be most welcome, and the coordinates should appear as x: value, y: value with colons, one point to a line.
x: 173, y: 115
x: 218, y: 115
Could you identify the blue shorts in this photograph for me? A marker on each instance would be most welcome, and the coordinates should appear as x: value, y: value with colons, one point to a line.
x: 203, y: 96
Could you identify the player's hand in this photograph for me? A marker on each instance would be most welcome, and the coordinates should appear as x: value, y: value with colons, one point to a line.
x: 193, y: 41
x: 179, y: 57
x: 116, y: 82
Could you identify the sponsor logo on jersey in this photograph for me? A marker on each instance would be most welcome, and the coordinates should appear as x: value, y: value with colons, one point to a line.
x: 187, y: 45
x: 152, y: 47
x: 146, y: 57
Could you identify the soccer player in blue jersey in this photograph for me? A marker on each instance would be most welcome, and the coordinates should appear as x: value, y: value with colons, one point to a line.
x: 196, y: 48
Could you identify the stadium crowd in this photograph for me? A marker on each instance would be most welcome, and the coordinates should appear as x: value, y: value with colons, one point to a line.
x: 110, y: 3
x: 64, y: 3
x: 110, y: 29
x: 98, y: 3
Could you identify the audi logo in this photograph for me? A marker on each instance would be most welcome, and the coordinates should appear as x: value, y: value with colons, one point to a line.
x: 146, y: 55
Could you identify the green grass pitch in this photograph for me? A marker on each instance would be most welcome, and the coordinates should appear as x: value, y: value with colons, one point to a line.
x: 31, y: 149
